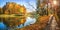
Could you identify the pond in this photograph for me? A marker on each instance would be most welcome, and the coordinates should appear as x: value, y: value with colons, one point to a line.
x: 29, y: 20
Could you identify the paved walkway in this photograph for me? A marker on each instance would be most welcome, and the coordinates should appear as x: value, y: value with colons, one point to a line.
x: 52, y: 24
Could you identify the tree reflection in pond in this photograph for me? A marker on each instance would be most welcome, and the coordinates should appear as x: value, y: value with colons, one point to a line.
x: 2, y: 26
x: 29, y: 21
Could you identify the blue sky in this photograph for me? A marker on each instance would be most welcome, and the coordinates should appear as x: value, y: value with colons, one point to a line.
x: 21, y: 2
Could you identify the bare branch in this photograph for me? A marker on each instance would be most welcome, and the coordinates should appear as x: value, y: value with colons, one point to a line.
x: 31, y: 5
x: 29, y: 8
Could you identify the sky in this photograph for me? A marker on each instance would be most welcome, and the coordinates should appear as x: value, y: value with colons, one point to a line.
x: 21, y: 2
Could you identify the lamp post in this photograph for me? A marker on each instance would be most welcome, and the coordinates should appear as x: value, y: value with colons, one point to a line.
x: 47, y: 6
x: 54, y: 2
x: 55, y: 5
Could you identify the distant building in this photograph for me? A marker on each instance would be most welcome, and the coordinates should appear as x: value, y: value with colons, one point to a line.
x: 1, y: 12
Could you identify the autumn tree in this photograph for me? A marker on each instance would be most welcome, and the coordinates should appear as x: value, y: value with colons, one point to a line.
x: 13, y: 8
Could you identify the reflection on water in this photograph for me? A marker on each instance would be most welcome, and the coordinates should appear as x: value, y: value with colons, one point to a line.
x: 29, y: 20
x: 2, y: 26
